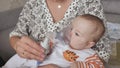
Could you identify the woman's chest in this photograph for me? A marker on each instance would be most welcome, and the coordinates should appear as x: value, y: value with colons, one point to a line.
x: 58, y: 9
x: 41, y: 20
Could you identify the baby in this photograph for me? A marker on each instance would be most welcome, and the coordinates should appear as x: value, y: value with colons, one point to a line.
x: 70, y: 46
x: 85, y: 31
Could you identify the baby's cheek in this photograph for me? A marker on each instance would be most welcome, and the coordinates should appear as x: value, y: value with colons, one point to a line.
x: 72, y: 43
x: 76, y: 44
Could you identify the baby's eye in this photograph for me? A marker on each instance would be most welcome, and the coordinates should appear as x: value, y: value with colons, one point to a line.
x: 76, y: 34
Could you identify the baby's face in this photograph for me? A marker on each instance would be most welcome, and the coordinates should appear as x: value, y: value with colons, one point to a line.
x: 81, y: 31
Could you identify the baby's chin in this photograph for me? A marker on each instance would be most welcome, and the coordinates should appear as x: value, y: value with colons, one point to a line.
x: 72, y: 47
x: 75, y: 48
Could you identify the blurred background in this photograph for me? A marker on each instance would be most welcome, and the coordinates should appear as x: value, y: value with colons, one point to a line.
x: 6, y: 5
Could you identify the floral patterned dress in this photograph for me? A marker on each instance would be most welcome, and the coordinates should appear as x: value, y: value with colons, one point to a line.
x: 35, y: 20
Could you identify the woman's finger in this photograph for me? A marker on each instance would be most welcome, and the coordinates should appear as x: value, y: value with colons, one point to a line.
x: 33, y: 47
x: 32, y: 44
x: 22, y: 52
x: 32, y: 56
x: 29, y: 49
x: 34, y: 52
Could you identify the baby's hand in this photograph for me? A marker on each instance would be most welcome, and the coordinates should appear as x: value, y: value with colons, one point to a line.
x: 47, y: 43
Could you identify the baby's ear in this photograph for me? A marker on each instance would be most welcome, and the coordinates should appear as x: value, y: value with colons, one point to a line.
x: 90, y: 44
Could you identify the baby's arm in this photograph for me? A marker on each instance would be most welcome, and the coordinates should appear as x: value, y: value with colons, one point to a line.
x: 90, y: 62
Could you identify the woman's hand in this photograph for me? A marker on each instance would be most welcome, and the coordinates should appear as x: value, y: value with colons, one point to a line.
x: 49, y: 66
x: 29, y: 49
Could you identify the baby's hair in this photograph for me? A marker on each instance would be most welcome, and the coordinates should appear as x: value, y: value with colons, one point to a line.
x: 96, y: 20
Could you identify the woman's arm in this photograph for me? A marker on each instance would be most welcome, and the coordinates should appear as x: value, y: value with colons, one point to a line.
x: 20, y: 39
